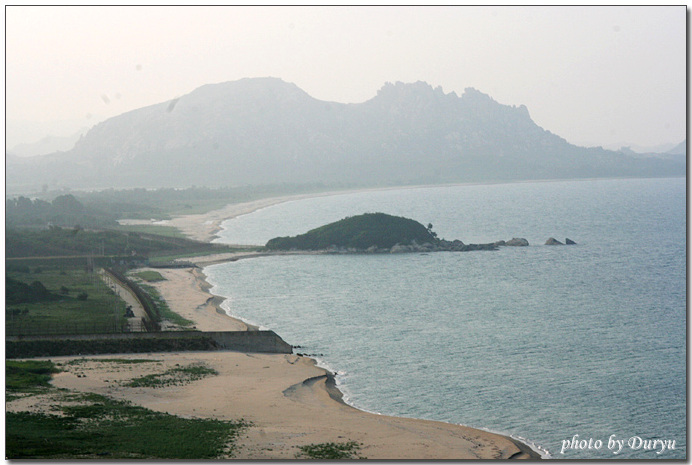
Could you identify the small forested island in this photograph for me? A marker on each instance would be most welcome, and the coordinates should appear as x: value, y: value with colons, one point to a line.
x: 377, y: 233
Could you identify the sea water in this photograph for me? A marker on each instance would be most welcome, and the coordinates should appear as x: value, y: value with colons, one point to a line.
x: 580, y: 350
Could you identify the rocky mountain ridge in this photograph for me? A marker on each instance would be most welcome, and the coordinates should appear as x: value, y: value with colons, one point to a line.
x: 267, y: 131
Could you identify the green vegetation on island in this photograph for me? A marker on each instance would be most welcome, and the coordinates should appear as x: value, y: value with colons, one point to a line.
x: 378, y: 233
x: 373, y: 231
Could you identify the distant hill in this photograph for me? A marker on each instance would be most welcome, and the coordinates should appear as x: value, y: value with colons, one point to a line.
x: 680, y: 149
x: 267, y: 131
x: 677, y: 153
x: 46, y: 145
x: 362, y: 232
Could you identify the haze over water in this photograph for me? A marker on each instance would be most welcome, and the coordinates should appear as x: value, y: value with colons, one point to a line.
x: 540, y: 342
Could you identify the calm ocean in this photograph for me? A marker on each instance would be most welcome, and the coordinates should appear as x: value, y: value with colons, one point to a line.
x: 556, y: 345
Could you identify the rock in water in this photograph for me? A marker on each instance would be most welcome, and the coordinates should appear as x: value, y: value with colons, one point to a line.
x: 553, y: 241
x: 517, y: 242
x: 569, y: 241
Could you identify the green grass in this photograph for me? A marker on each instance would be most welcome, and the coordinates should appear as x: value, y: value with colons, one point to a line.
x: 150, y: 276
x: 94, y: 426
x: 330, y: 451
x: 27, y: 376
x: 173, y: 377
x: 101, y: 311
x: 100, y: 427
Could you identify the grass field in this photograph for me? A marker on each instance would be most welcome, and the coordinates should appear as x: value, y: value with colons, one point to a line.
x: 149, y: 276
x: 81, y: 303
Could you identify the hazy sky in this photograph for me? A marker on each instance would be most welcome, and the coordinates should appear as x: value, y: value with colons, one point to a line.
x: 593, y: 75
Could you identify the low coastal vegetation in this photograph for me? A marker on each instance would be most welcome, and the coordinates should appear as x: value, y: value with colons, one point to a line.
x: 91, y: 426
x: 149, y: 276
x: 27, y: 377
x: 162, y: 309
x: 174, y: 377
x: 330, y: 451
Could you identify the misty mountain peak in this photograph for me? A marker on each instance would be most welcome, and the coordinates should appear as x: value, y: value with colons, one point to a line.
x: 266, y: 90
x: 266, y: 130
x: 269, y: 86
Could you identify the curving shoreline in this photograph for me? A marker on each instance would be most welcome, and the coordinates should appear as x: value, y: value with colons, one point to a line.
x: 321, y: 392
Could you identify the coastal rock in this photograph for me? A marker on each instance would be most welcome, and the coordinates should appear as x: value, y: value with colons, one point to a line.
x: 569, y: 241
x: 450, y: 246
x: 471, y: 247
x: 553, y: 241
x: 399, y: 248
x: 517, y: 242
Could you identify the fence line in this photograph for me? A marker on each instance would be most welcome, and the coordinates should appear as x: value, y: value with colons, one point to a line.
x: 36, y: 329
x: 150, y: 308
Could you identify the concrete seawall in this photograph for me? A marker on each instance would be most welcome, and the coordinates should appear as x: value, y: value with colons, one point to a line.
x: 251, y: 341
x: 240, y: 341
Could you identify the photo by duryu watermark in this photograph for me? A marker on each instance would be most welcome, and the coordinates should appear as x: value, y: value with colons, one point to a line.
x: 617, y: 445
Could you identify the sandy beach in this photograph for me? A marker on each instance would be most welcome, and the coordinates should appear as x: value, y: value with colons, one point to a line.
x: 288, y: 399
x: 204, y: 226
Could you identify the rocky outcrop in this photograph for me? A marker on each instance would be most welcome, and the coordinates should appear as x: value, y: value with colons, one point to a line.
x: 517, y: 242
x: 514, y: 242
x: 458, y: 246
x: 441, y: 246
x: 553, y: 241
x: 413, y: 247
x: 569, y: 241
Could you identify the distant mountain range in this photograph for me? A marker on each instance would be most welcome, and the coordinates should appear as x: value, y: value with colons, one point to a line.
x: 267, y: 131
